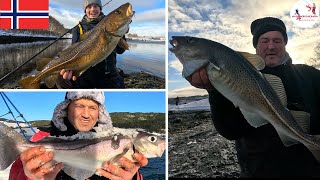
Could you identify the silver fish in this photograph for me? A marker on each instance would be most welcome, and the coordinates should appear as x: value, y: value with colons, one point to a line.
x: 235, y: 75
x: 83, y: 153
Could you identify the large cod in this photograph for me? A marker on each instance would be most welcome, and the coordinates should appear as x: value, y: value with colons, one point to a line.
x: 97, y: 46
x: 235, y: 75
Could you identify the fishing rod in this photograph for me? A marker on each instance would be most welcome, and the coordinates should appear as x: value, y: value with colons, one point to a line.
x: 4, y: 77
x: 14, y: 70
x: 107, y: 3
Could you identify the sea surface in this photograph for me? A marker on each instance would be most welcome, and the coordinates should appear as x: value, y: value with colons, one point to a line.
x: 141, y: 56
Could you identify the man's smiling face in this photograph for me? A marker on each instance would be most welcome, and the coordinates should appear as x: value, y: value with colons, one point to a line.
x: 272, y: 48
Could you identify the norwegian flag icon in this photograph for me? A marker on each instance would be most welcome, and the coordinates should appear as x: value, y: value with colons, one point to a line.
x: 24, y: 14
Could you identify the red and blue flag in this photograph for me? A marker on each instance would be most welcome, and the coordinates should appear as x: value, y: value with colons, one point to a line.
x: 24, y: 14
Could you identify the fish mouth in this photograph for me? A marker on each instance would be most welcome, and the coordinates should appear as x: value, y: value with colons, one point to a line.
x: 174, y: 44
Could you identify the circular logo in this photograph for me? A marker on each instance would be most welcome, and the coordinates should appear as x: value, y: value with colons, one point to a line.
x: 304, y: 13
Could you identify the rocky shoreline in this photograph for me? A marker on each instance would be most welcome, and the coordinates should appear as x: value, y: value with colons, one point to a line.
x: 196, y: 150
x: 142, y: 80
x: 139, y: 80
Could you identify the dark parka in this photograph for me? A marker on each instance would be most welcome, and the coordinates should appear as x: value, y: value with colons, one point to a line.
x: 260, y: 151
x: 102, y: 75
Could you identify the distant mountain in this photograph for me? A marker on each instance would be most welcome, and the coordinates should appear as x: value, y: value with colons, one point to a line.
x: 56, y: 26
x: 153, y: 122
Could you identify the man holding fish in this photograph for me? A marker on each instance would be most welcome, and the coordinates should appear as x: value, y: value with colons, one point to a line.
x: 272, y: 140
x: 80, y: 112
x: 103, y: 75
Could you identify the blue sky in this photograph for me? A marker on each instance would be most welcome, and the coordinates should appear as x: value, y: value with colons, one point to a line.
x: 228, y: 22
x: 149, y: 19
x: 40, y: 105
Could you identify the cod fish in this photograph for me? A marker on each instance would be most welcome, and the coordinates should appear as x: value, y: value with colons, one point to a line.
x: 84, y: 152
x: 97, y: 46
x: 235, y: 75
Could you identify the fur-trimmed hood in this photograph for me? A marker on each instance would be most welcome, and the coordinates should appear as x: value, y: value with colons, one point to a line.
x: 60, y: 112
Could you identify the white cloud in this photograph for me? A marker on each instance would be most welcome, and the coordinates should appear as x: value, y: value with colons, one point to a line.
x: 155, y: 31
x: 151, y: 16
x: 176, y: 64
x: 150, y: 22
x: 68, y: 18
x: 78, y: 4
x: 231, y: 25
x: 188, y: 91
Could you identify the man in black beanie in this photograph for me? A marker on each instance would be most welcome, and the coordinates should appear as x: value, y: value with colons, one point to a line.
x: 260, y: 151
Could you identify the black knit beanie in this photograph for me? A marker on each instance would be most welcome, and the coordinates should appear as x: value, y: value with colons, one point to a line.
x: 263, y: 25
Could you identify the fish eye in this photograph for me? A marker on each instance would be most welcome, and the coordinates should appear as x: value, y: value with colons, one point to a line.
x: 152, y: 138
x: 190, y: 40
x: 118, y: 12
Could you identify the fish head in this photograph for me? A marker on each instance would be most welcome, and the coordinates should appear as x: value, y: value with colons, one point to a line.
x: 117, y: 22
x: 149, y: 144
x: 191, y: 51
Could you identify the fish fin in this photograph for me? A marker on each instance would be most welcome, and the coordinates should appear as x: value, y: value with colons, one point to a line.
x: 77, y: 173
x: 76, y: 165
x: 286, y: 140
x: 316, y: 153
x: 254, y: 59
x: 117, y: 157
x: 123, y: 44
x: 41, y: 63
x: 29, y: 83
x: 85, y: 35
x: 303, y: 119
x: 78, y: 73
x: 51, y: 80
x: 191, y: 66
x: 277, y: 85
x: 253, y: 118
x: 8, y: 140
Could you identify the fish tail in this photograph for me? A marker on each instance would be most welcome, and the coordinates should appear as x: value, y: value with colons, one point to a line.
x: 8, y: 149
x: 29, y: 83
x: 314, y: 147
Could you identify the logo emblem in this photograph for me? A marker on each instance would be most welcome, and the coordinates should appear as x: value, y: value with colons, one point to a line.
x: 304, y: 13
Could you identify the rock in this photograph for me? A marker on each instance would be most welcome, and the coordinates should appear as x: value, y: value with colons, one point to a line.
x: 196, y: 150
x: 142, y: 80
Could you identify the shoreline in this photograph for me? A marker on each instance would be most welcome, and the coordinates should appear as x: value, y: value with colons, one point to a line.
x: 9, y: 39
x: 4, y: 39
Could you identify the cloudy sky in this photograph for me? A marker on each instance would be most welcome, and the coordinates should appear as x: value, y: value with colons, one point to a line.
x: 228, y: 22
x: 149, y: 19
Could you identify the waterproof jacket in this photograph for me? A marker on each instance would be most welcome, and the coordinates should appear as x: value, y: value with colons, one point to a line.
x: 17, y: 173
x: 105, y: 73
x: 260, y: 151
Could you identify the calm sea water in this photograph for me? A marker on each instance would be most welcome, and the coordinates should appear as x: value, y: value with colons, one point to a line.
x: 156, y: 169
x: 142, y: 56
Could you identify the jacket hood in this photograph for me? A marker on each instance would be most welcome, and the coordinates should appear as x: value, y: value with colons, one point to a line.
x: 61, y: 111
